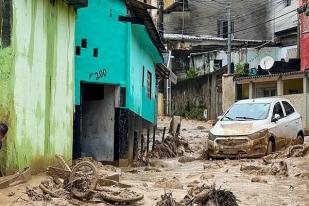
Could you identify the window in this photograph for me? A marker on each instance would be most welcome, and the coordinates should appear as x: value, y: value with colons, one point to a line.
x: 266, y: 92
x: 278, y: 110
x: 149, y: 83
x: 143, y: 77
x: 288, y: 108
x: 5, y: 23
x: 84, y: 43
x: 217, y: 64
x: 247, y: 112
x: 77, y: 50
x: 95, y: 52
x: 287, y: 3
x: 222, y: 26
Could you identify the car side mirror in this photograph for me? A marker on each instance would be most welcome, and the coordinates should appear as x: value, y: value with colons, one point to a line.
x: 275, y: 118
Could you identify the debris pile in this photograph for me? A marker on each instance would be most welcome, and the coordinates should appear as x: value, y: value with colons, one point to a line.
x: 172, y: 146
x: 209, y: 195
x: 185, y: 159
x: 202, y: 196
x: 281, y: 169
x: 87, y: 181
x: 168, y: 200
x: 173, y: 183
x: 276, y: 168
x: 292, y: 151
x: 256, y: 170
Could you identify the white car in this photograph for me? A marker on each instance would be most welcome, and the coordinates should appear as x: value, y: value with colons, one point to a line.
x: 254, y: 128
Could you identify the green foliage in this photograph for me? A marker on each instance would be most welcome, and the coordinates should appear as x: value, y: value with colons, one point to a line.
x: 242, y: 69
x: 239, y: 69
x: 195, y: 112
x: 192, y: 72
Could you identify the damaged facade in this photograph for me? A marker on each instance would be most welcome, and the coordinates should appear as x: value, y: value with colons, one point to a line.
x: 118, y: 60
x: 36, y: 81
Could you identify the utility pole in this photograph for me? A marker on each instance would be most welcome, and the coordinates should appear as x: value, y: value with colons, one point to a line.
x: 183, y: 16
x: 229, y: 41
x: 160, y: 18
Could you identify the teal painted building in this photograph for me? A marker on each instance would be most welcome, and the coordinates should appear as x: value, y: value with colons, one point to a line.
x: 117, y: 62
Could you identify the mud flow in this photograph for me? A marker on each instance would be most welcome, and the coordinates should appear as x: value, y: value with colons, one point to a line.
x: 176, y: 172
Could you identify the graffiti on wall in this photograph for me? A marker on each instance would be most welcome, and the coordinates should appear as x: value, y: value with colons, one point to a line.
x: 98, y: 74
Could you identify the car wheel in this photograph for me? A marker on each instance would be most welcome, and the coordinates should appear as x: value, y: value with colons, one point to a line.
x: 300, y: 139
x: 270, y: 147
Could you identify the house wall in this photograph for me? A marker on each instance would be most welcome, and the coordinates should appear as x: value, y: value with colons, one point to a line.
x: 228, y: 91
x: 142, y: 53
x: 292, y: 85
x: 304, y: 39
x: 300, y: 102
x: 191, y: 97
x: 202, y: 19
x: 123, y: 50
x: 36, y: 82
x: 205, y: 62
x: 285, y: 16
x: 101, y: 17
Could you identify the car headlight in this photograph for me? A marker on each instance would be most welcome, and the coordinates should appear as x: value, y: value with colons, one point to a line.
x: 258, y: 134
x: 211, y: 136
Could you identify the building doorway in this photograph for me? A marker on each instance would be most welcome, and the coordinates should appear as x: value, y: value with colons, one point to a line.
x: 97, y: 121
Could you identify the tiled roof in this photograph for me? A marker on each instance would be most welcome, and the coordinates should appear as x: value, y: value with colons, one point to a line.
x: 205, y: 37
x: 272, y: 75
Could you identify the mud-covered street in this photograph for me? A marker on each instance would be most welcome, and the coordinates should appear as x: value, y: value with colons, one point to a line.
x: 275, y: 180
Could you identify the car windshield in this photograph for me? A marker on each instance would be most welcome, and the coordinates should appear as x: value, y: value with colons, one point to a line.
x: 247, y: 112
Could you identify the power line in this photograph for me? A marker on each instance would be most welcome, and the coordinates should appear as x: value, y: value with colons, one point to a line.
x: 256, y: 24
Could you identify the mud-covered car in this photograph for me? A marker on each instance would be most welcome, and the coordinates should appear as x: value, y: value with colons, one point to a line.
x: 254, y: 128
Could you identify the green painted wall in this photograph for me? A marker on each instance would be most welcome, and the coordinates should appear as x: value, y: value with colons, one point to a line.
x: 37, y: 85
x: 123, y: 51
x: 99, y: 25
x: 142, y: 53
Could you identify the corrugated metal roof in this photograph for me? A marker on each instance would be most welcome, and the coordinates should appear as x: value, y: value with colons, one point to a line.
x: 205, y: 37
x: 272, y: 75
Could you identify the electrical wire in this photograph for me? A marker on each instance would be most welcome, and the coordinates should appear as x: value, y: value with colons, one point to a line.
x: 259, y: 23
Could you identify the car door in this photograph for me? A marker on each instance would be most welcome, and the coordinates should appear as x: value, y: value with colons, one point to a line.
x: 279, y: 126
x: 293, y: 120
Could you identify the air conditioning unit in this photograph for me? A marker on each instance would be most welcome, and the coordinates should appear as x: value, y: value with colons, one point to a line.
x: 77, y: 3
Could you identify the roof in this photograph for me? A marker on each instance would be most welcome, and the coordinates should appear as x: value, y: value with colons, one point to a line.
x: 272, y: 75
x: 139, y: 9
x: 266, y: 100
x: 206, y: 37
x: 162, y: 72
